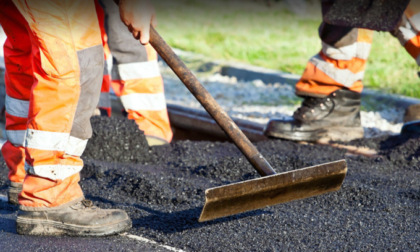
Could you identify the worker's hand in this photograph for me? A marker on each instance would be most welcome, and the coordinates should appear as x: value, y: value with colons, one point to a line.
x: 138, y: 15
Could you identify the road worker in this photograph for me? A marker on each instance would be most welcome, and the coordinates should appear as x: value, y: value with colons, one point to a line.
x: 332, y: 81
x: 54, y: 66
x: 136, y: 77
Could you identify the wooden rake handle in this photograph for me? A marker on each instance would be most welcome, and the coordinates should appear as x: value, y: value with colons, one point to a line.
x: 208, y: 102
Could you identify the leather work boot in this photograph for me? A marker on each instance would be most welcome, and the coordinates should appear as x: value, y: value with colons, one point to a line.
x: 411, y: 120
x: 335, y: 117
x: 76, y: 218
x: 13, y: 192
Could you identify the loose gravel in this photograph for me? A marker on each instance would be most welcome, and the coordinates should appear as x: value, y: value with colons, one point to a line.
x: 162, y: 188
x: 258, y: 101
x: 377, y: 208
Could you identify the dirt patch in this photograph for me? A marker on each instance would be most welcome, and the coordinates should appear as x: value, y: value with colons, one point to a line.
x: 162, y: 188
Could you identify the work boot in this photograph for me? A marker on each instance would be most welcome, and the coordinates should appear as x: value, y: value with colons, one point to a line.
x: 13, y: 192
x: 76, y: 218
x: 335, y: 117
x: 411, y: 120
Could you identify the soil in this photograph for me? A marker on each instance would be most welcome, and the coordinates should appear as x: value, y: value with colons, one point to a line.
x: 162, y: 188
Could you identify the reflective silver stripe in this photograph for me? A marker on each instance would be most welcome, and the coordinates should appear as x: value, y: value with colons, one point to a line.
x: 363, y: 50
x: 415, y: 21
x: 342, y: 76
x: 76, y: 146
x: 139, y: 70
x: 144, y: 101
x: 359, y: 50
x: 405, y: 34
x: 16, y: 137
x: 53, y: 172
x: 108, y: 64
x: 39, y: 140
x: 16, y: 107
x: 46, y: 140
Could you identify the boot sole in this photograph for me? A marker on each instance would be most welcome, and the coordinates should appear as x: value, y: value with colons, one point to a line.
x: 13, y: 195
x: 344, y: 134
x: 341, y: 133
x: 26, y: 226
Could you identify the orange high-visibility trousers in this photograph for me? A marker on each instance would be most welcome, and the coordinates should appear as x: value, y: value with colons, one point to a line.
x: 342, y: 60
x: 54, y: 65
x: 136, y: 77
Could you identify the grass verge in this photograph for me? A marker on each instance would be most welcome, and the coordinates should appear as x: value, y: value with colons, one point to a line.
x: 281, y: 37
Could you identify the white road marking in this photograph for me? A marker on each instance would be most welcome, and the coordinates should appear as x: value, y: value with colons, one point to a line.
x: 142, y: 239
x: 135, y: 237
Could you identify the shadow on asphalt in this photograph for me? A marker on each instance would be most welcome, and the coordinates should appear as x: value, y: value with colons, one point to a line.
x: 7, y: 217
x: 176, y: 221
x: 8, y: 225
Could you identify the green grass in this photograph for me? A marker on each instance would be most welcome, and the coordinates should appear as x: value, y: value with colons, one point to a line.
x: 274, y: 37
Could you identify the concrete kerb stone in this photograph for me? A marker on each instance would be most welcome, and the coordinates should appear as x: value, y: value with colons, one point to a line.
x: 250, y: 73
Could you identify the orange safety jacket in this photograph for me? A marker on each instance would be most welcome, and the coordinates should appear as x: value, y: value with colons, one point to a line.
x: 342, y: 60
x: 54, y: 64
x: 135, y: 74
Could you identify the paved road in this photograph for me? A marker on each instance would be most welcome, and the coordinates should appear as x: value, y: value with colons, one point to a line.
x: 10, y: 241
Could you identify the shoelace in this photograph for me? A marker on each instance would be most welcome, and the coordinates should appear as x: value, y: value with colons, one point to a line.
x: 309, y: 103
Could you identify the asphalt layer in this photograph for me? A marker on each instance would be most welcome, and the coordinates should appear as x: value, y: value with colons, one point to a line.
x: 162, y: 189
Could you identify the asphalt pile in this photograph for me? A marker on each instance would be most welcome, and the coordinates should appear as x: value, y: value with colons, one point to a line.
x: 162, y: 188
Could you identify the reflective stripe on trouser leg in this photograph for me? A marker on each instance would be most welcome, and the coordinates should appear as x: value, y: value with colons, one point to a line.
x: 340, y: 64
x: 142, y: 96
x: 136, y: 77
x: 408, y: 32
x: 66, y: 69
x: 18, y: 82
x: 13, y: 150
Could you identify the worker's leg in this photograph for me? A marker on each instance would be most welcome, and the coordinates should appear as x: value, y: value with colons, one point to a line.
x: 330, y: 85
x: 104, y: 106
x: 18, y: 82
x: 408, y: 33
x: 339, y: 65
x: 67, y: 62
x: 137, y: 79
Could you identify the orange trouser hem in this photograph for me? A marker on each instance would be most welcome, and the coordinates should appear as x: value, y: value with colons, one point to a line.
x: 316, y: 83
x: 43, y: 192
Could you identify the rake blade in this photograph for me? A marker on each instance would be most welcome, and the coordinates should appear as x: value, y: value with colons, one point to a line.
x: 271, y: 190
